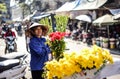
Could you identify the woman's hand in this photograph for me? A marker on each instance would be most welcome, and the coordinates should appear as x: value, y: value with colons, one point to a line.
x: 50, y: 57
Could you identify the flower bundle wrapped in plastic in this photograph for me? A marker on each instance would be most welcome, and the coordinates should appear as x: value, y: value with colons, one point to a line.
x: 71, y: 63
x: 57, y: 44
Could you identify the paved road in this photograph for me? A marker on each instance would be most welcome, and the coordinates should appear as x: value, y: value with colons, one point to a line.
x: 72, y: 45
x: 2, y: 46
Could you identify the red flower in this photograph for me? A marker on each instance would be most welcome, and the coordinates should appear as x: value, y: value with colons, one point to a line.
x: 56, y: 36
x: 57, y: 44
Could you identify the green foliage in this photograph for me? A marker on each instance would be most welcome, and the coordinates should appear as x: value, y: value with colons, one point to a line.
x: 25, y: 9
x: 3, y: 7
x: 47, y: 22
x: 61, y: 23
x: 105, y: 40
x: 58, y: 48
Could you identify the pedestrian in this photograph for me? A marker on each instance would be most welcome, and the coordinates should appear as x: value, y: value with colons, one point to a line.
x: 70, y: 24
x: 19, y: 27
x: 39, y: 50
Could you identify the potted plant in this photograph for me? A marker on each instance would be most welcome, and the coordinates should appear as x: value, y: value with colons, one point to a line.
x: 112, y: 43
x: 105, y: 42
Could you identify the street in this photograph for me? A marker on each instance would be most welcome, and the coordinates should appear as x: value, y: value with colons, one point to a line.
x: 95, y: 21
x: 71, y: 46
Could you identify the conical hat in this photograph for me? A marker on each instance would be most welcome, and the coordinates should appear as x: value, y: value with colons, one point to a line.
x: 44, y: 27
x: 36, y: 24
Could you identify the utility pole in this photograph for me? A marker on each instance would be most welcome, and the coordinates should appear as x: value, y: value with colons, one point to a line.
x: 53, y: 22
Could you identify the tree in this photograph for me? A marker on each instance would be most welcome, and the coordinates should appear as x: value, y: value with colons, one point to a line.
x: 26, y: 10
x: 3, y: 7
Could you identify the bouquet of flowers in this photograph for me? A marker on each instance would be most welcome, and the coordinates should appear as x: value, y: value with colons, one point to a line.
x: 57, y: 44
x: 73, y: 63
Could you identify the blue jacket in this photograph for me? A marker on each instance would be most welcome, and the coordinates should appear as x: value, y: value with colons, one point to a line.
x: 39, y: 53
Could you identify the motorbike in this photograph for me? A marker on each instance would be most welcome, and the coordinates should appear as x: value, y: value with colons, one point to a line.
x: 10, y: 44
x: 13, y: 65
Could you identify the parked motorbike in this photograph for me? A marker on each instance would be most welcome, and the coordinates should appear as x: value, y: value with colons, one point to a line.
x: 10, y: 44
x: 13, y: 66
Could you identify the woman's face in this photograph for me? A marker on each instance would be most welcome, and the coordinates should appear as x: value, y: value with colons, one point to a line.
x: 38, y: 31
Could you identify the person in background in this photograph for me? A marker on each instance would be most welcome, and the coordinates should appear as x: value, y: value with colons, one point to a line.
x: 69, y: 27
x: 39, y: 50
x: 19, y: 27
x: 4, y: 29
x: 8, y: 33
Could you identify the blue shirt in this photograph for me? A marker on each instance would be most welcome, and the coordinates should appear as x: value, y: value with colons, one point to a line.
x: 39, y: 53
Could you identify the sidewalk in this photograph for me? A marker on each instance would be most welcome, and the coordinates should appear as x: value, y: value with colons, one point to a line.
x: 79, y: 43
x: 74, y: 46
x: 115, y: 51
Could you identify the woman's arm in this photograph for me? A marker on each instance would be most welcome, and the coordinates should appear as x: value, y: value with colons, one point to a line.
x: 37, y: 48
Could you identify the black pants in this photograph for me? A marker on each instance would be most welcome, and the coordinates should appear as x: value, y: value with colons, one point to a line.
x: 37, y: 74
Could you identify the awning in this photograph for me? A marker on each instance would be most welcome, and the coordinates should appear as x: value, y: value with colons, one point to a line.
x: 17, y: 19
x: 29, y: 17
x: 115, y: 11
x: 68, y: 6
x: 105, y: 20
x: 90, y: 4
x: 85, y: 18
x: 81, y: 5
x: 116, y: 16
x: 40, y: 16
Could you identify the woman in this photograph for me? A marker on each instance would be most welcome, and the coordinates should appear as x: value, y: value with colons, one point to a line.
x: 38, y: 49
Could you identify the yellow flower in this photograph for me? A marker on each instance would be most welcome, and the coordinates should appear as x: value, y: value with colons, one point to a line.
x: 75, y: 62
